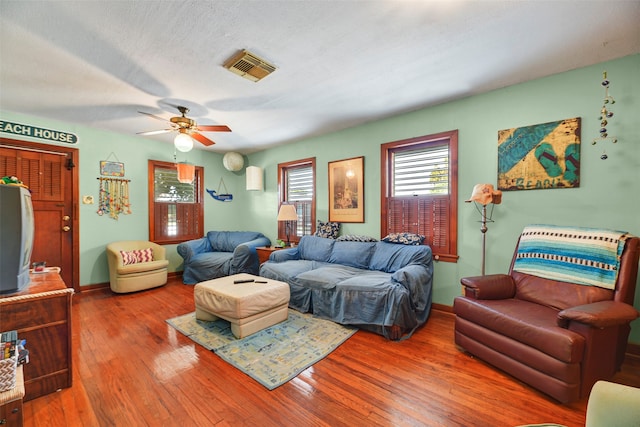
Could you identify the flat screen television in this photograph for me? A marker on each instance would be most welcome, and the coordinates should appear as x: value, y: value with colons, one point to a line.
x: 16, y: 237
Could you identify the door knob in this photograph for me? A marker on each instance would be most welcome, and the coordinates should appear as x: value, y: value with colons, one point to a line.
x: 66, y: 218
x: 66, y: 228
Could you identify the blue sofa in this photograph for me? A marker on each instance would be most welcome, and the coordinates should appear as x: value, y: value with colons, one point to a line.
x: 378, y: 286
x: 221, y: 253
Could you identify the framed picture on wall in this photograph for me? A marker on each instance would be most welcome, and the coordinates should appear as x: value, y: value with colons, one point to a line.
x: 108, y: 168
x: 346, y: 190
x: 540, y: 156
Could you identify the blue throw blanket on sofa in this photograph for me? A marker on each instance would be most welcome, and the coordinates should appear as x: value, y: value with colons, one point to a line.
x: 586, y: 256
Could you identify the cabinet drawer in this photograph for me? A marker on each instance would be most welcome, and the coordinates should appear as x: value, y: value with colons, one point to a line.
x: 34, y: 312
x: 11, y: 414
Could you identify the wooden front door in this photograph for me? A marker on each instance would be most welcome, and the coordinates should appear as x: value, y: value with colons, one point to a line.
x: 49, y: 172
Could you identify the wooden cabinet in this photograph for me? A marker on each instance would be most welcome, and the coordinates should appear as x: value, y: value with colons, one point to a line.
x: 11, y: 403
x: 264, y: 252
x: 42, y: 315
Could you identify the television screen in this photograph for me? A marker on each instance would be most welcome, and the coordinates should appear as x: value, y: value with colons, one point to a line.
x: 16, y: 237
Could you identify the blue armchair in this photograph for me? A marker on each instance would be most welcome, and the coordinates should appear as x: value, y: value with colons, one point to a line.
x: 221, y: 253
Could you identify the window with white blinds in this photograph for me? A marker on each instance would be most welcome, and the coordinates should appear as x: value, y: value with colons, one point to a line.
x: 300, y: 193
x: 423, y: 171
x: 419, y: 194
x: 297, y: 187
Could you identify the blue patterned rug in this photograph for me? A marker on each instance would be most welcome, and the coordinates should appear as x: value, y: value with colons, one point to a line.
x: 274, y: 355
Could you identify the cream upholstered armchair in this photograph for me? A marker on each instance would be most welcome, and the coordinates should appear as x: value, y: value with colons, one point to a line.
x: 135, y: 265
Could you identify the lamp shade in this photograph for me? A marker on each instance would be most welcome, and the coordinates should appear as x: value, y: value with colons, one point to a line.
x: 233, y: 161
x: 287, y: 213
x: 183, y: 142
x: 186, y: 173
x: 254, y: 178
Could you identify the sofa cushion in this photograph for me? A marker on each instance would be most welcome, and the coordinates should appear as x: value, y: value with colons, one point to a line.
x: 315, y: 248
x: 532, y: 324
x: 143, y: 267
x: 211, y: 265
x: 390, y: 257
x: 286, y: 269
x: 226, y: 241
x: 555, y: 294
x: 354, y: 254
x: 326, y: 277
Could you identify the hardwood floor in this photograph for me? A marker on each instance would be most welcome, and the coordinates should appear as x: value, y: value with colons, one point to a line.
x: 132, y: 369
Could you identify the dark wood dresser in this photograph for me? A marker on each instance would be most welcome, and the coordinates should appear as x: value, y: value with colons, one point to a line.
x: 42, y: 315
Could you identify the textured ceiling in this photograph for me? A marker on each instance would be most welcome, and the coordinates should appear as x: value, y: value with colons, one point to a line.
x: 339, y: 63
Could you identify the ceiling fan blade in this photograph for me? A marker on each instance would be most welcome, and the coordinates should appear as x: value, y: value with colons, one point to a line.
x: 153, y: 116
x: 214, y: 128
x: 202, y: 139
x: 155, y: 132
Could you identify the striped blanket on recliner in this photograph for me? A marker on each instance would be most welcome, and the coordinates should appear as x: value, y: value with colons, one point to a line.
x: 586, y: 256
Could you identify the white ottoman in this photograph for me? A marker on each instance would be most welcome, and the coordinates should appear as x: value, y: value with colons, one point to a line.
x: 250, y: 307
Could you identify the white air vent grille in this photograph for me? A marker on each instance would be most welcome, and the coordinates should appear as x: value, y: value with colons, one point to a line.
x: 249, y: 66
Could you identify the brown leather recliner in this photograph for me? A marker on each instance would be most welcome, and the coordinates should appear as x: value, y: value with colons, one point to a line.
x: 557, y: 337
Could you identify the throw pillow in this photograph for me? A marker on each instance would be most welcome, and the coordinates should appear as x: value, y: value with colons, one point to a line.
x: 328, y: 230
x: 356, y: 238
x: 144, y: 255
x: 404, y: 238
x: 128, y: 257
x: 137, y: 255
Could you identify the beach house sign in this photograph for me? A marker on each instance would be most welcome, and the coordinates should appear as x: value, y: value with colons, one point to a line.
x: 36, y: 132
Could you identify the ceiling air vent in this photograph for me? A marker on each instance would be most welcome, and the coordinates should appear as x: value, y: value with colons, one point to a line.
x: 249, y: 66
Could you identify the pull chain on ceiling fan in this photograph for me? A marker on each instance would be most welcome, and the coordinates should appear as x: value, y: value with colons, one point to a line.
x: 187, y: 129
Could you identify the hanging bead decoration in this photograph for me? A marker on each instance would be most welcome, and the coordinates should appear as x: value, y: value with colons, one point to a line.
x: 605, y: 115
x: 114, y: 197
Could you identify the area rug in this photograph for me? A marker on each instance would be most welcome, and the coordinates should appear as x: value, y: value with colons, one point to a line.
x: 274, y: 355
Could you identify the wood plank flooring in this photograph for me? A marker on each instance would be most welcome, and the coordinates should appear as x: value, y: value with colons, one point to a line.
x: 132, y: 369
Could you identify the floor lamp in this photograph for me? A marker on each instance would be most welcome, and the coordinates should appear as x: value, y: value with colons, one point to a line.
x: 484, y: 194
x: 288, y: 214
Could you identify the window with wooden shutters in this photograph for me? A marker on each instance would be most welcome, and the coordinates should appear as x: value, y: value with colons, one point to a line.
x: 296, y: 184
x: 419, y: 182
x: 44, y: 173
x: 176, y: 209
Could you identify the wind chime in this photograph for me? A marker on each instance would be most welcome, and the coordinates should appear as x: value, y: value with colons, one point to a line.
x: 605, y: 115
x: 114, y: 197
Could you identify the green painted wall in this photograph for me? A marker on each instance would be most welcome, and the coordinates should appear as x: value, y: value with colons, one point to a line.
x: 609, y: 195
x: 96, y: 231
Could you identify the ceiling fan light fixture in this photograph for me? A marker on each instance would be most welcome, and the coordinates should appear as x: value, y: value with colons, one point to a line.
x: 183, y: 142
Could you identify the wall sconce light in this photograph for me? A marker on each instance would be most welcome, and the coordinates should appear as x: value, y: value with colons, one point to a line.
x: 183, y: 142
x: 254, y: 178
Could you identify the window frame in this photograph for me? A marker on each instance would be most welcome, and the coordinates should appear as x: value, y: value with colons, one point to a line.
x: 283, y: 168
x: 450, y: 138
x: 198, y: 210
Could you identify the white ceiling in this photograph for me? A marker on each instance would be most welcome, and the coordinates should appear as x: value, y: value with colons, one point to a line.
x: 340, y: 63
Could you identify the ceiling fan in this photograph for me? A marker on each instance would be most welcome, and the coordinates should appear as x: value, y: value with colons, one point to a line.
x: 187, y: 128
